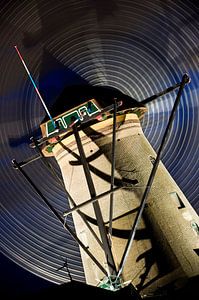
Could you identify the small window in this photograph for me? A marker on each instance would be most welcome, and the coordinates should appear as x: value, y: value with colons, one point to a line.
x: 195, y: 227
x: 196, y: 251
x: 152, y: 159
x: 177, y: 200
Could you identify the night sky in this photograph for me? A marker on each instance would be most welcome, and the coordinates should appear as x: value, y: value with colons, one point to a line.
x: 16, y: 281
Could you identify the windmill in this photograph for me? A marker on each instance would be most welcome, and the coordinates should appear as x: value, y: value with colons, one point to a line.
x: 115, y: 182
x: 140, y: 48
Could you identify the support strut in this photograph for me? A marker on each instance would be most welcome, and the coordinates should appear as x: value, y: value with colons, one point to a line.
x: 185, y: 79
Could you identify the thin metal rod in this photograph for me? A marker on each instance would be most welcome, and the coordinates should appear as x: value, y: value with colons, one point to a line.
x: 112, y: 172
x: 65, y: 265
x: 49, y: 166
x: 151, y: 178
x: 94, y: 199
x: 29, y: 160
x: 17, y: 166
x: 166, y: 91
x: 34, y: 84
x: 97, y: 210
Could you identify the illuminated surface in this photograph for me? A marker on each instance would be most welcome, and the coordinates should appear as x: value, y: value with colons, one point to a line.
x: 138, y: 47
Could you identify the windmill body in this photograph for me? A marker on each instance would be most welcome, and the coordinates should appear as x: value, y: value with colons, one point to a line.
x: 164, y: 247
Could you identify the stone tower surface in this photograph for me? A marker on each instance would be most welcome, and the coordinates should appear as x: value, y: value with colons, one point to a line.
x: 164, y: 248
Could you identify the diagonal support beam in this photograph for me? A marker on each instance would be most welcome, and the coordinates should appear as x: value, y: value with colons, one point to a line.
x: 185, y: 79
x: 162, y: 93
x: 94, y: 199
x: 97, y: 210
x: 51, y: 169
x: 17, y: 166
x: 29, y: 160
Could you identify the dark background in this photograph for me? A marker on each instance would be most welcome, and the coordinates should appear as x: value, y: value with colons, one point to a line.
x: 16, y: 281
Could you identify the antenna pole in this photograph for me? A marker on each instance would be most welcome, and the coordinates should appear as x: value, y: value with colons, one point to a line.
x: 34, y: 84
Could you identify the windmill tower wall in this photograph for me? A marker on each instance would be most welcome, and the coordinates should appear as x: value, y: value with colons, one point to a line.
x: 164, y: 247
